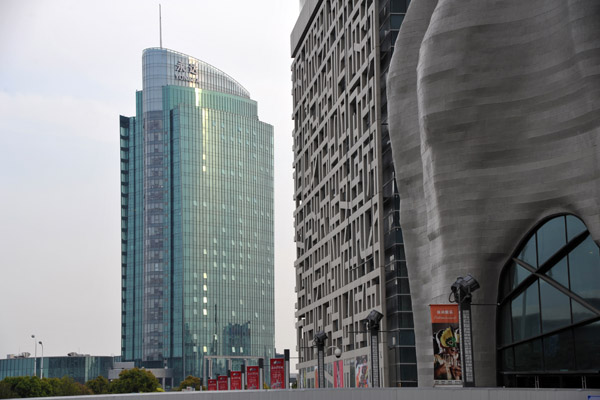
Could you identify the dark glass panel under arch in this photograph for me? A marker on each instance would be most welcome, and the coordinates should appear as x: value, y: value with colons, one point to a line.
x: 556, y: 308
x: 575, y: 226
x: 540, y: 333
x: 528, y: 253
x: 584, y: 268
x: 587, y: 349
x: 558, y: 351
x: 551, y: 237
x: 528, y: 356
x: 506, y: 324
x: 560, y: 273
x: 513, y: 276
x: 580, y: 313
x: 526, y: 314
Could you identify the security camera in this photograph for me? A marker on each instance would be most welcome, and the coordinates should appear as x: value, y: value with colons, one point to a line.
x: 337, y: 353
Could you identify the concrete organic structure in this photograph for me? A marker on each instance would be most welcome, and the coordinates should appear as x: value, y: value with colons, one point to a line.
x: 495, y: 120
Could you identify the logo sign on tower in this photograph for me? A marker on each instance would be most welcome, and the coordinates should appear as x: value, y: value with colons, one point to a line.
x: 186, y: 71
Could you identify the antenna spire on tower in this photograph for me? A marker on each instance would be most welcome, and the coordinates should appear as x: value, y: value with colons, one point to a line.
x: 160, y: 25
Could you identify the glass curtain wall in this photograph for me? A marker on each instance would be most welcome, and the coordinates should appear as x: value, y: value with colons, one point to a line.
x: 549, y: 313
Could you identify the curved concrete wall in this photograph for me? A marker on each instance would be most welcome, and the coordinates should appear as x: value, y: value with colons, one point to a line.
x: 494, y: 113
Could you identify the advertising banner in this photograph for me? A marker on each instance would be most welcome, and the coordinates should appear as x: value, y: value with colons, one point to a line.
x: 446, y: 344
x: 338, y: 374
x: 236, y: 380
x: 222, y: 382
x: 212, y: 384
x: 277, y: 373
x: 362, y: 371
x: 253, y: 377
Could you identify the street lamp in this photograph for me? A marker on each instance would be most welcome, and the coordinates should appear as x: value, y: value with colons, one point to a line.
x: 462, y: 290
x: 372, y: 322
x: 34, y: 356
x: 319, y: 340
x: 42, y: 361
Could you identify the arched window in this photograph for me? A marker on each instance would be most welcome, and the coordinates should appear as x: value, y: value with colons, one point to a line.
x: 548, y: 322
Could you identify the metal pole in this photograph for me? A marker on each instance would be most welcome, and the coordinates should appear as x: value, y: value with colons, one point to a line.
x: 34, y: 356
x: 204, y: 370
x: 466, y: 342
x: 375, y: 356
x: 244, y: 375
x: 261, y: 366
x: 42, y: 362
x: 228, y: 379
x: 321, y: 363
x: 286, y: 357
x: 160, y: 24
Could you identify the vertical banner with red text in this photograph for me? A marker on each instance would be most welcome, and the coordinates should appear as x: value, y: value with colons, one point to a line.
x: 446, y: 344
x: 277, y: 373
x: 253, y: 377
x: 212, y: 384
x: 222, y: 382
x: 236, y: 380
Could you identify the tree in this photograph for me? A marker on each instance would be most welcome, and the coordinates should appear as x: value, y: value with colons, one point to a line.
x: 6, y: 391
x: 191, y: 381
x: 26, y: 386
x: 135, y: 380
x: 32, y: 386
x: 68, y: 387
x: 99, y: 385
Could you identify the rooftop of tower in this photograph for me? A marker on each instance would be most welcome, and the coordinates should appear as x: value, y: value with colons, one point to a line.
x: 205, y: 71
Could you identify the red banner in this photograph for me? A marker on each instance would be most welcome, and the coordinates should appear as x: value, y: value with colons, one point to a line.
x: 222, y: 382
x: 447, y: 369
x: 212, y: 384
x: 236, y: 380
x: 253, y: 378
x: 338, y: 374
x: 277, y: 373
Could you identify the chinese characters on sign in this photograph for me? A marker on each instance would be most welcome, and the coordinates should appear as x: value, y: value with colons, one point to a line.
x: 236, y: 380
x: 447, y: 369
x: 277, y: 373
x: 187, y: 72
x: 253, y: 378
x: 212, y: 384
x: 222, y: 382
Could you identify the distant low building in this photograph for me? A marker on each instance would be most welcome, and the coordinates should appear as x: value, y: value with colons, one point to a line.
x: 80, y: 367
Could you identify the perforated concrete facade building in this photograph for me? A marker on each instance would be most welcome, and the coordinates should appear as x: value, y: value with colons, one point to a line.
x: 350, y: 255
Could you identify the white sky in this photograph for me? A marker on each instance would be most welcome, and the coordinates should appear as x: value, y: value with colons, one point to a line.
x: 68, y: 69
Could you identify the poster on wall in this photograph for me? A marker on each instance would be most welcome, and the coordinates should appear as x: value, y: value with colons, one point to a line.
x: 212, y: 384
x: 277, y: 373
x: 236, y: 380
x: 222, y: 382
x: 338, y: 374
x: 446, y: 344
x: 253, y: 377
x: 362, y: 371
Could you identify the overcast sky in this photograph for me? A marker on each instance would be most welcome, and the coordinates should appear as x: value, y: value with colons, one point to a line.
x: 68, y: 69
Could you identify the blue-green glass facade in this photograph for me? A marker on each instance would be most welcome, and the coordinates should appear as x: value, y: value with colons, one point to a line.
x: 197, y: 219
x: 80, y: 368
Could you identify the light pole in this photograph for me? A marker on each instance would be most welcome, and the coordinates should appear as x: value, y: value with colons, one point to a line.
x: 461, y: 290
x: 319, y: 341
x: 42, y: 361
x: 34, y: 356
x: 373, y: 320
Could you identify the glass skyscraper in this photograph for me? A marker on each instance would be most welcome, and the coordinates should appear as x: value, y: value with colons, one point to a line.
x: 197, y: 219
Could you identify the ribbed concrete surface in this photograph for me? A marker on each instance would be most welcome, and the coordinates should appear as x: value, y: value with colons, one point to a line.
x: 494, y: 110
